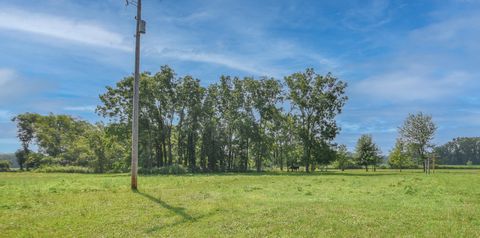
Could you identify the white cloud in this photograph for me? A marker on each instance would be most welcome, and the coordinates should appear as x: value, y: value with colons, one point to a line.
x: 213, y: 58
x: 86, y: 108
x: 368, y: 16
x: 412, y: 85
x: 6, y: 75
x: 433, y: 63
x: 222, y: 37
x: 14, y: 87
x: 5, y: 116
x: 459, y: 32
x: 61, y: 28
x: 10, y: 85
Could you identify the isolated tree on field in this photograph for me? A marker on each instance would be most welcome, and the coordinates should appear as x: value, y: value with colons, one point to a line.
x: 399, y: 157
x: 417, y: 132
x: 366, y: 151
x: 315, y: 101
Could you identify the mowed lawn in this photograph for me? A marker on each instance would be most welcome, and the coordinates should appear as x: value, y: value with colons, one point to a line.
x: 352, y: 204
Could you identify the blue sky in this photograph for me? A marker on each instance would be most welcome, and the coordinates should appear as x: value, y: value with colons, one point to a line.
x: 397, y: 56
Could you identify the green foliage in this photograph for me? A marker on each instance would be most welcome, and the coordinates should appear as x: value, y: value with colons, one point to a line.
x: 367, y: 152
x: 233, y: 125
x: 5, y: 165
x: 416, y: 133
x: 334, y: 204
x: 459, y: 151
x: 65, y: 141
x: 10, y: 157
x: 170, y: 169
x: 316, y: 100
x: 64, y: 169
x: 343, y: 159
x: 457, y: 166
x: 399, y: 157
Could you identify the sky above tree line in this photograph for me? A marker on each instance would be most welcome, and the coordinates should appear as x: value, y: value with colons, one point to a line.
x: 398, y: 57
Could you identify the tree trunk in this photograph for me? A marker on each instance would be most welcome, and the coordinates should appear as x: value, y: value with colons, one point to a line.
x: 259, y: 162
x: 281, y: 157
x: 245, y: 165
x: 170, y: 155
x: 424, y: 166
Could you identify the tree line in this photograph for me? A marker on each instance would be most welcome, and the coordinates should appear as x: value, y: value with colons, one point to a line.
x: 460, y: 151
x: 235, y: 124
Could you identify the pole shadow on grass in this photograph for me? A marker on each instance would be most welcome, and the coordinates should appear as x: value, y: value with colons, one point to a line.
x: 179, y: 211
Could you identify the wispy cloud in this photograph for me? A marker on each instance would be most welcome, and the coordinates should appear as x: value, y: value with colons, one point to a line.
x: 5, y: 115
x: 412, y: 85
x: 370, y: 15
x: 78, y: 31
x: 85, y: 108
x: 13, y: 86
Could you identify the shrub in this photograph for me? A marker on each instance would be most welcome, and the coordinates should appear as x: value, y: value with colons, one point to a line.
x: 171, y: 169
x: 457, y: 166
x: 383, y: 166
x: 5, y: 165
x: 64, y: 169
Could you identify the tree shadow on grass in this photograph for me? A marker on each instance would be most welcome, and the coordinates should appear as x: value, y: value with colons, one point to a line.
x: 179, y: 211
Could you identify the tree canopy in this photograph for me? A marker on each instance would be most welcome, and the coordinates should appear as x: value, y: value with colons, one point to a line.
x: 235, y: 124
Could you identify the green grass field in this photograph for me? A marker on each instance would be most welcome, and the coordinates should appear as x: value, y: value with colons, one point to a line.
x: 352, y: 204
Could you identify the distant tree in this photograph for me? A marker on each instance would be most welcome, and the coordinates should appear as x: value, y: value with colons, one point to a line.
x: 399, y: 157
x: 21, y: 156
x: 25, y: 133
x: 459, y: 151
x: 323, y: 155
x: 104, y: 150
x: 417, y: 133
x: 315, y: 101
x: 366, y: 152
x: 5, y: 165
x: 10, y: 157
x: 343, y: 159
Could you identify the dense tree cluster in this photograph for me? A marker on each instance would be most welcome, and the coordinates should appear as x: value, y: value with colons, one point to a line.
x: 64, y: 140
x: 235, y: 124
x: 460, y: 151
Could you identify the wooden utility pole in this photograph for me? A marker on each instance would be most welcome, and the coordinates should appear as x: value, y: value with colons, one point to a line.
x: 139, y: 30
